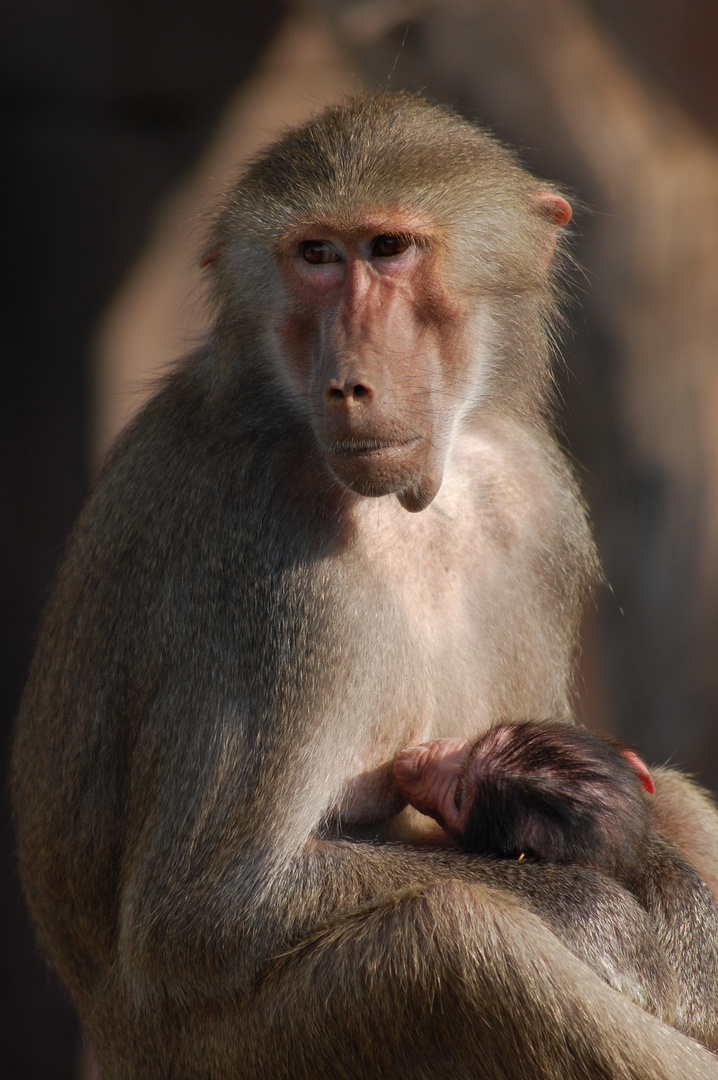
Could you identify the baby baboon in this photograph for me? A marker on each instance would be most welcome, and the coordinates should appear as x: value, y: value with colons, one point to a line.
x: 552, y: 792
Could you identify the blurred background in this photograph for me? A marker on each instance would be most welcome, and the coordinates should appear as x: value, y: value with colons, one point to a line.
x: 123, y: 121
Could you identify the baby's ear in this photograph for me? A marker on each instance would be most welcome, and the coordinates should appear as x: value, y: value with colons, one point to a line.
x: 641, y: 770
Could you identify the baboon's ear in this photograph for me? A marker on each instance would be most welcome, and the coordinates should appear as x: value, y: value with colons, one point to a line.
x: 557, y: 212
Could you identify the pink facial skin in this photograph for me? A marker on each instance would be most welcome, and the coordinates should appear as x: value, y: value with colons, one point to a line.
x: 432, y: 778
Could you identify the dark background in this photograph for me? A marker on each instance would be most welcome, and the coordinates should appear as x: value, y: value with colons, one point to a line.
x: 104, y: 104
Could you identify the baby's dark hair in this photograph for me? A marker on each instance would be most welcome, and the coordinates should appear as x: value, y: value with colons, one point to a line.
x: 551, y: 791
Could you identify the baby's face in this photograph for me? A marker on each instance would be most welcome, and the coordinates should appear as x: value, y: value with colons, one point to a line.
x: 433, y: 778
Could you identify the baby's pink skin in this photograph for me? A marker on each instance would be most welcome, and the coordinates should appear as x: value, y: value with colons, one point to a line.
x: 431, y: 777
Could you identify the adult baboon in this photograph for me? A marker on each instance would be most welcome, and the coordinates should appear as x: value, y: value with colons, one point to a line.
x: 249, y: 624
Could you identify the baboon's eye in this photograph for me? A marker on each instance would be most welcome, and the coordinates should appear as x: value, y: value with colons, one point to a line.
x: 318, y: 252
x: 383, y: 247
x: 459, y: 793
